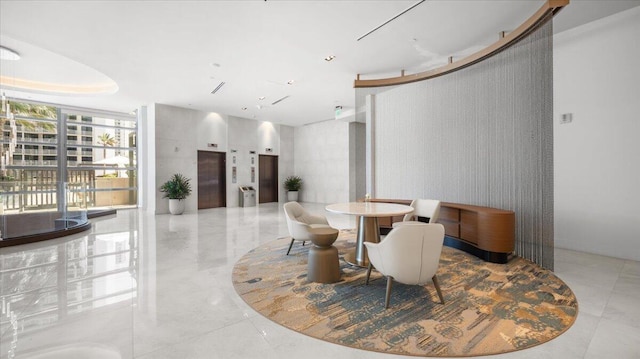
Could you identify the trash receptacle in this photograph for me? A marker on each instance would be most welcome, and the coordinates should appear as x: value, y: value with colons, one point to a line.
x: 247, y: 196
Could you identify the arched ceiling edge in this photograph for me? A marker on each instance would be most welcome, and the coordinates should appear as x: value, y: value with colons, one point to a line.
x: 540, y: 17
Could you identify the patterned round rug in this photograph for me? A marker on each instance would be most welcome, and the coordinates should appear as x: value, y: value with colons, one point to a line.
x: 489, y: 308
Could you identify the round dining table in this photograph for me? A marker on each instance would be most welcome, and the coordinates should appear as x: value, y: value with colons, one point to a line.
x: 368, y: 230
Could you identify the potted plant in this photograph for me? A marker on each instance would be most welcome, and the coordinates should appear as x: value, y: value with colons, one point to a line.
x: 292, y: 184
x: 176, y: 189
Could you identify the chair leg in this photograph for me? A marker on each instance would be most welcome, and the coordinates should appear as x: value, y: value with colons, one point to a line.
x: 388, y: 295
x: 437, y: 285
x: 366, y: 282
x: 290, y: 245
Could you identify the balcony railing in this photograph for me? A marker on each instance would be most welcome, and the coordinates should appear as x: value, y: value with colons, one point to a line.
x: 21, y: 139
x: 25, y: 190
x: 21, y: 162
x: 80, y: 142
x: 35, y: 130
x: 81, y: 133
x: 35, y: 152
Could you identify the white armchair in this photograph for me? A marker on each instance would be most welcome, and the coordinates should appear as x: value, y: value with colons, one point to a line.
x: 299, y: 221
x: 410, y: 254
x: 428, y: 208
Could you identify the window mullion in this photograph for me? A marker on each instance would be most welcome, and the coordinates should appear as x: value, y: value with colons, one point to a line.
x: 62, y: 160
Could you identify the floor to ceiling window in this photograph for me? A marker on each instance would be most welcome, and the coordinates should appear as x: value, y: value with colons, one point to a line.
x: 101, y: 152
x: 54, y: 157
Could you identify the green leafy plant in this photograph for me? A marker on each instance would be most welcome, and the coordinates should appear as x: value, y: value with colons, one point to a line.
x: 293, y: 183
x: 105, y: 140
x: 178, y: 187
x: 109, y: 175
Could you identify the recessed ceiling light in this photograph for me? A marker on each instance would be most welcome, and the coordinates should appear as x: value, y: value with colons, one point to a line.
x: 329, y: 58
x: 290, y: 82
x: 261, y: 98
x: 215, y: 64
x: 244, y: 109
x: 8, y: 54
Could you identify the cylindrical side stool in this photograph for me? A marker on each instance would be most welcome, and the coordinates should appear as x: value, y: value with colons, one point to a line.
x: 323, y: 265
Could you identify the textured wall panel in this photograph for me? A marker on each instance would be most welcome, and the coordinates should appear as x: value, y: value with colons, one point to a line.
x: 482, y: 136
x: 322, y: 160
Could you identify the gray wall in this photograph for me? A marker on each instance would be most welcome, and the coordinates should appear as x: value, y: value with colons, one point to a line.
x: 330, y: 158
x: 482, y: 136
x: 286, y: 164
x: 322, y: 160
x: 180, y: 133
x: 357, y: 160
x: 175, y: 151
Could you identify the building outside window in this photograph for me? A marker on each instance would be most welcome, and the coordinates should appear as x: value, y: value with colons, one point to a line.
x: 93, y: 152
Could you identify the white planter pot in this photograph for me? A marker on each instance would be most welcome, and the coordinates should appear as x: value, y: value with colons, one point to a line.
x: 292, y: 196
x: 176, y: 206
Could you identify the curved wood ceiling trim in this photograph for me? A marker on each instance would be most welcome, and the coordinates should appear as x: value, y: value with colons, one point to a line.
x: 546, y: 12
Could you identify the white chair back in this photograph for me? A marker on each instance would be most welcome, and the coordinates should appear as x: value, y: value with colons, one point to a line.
x: 424, y: 208
x: 299, y: 220
x: 292, y: 210
x: 410, y: 253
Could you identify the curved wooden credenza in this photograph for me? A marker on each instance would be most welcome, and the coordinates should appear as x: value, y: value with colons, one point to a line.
x: 488, y: 233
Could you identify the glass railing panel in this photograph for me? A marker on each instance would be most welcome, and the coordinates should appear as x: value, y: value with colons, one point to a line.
x: 75, y: 212
x: 31, y: 207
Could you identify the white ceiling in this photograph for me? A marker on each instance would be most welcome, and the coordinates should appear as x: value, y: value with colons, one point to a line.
x: 177, y: 52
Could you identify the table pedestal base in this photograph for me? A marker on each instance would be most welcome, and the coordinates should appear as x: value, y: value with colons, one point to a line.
x: 368, y: 231
x: 350, y: 257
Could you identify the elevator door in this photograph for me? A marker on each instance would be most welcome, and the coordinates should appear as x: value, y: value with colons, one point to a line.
x: 268, y: 179
x: 212, y: 189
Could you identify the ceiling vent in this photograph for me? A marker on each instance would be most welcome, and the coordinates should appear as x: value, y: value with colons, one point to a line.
x: 279, y: 100
x: 218, y: 87
x: 388, y: 21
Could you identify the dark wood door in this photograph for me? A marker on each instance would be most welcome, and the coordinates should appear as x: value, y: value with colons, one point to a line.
x: 212, y: 188
x: 267, y: 179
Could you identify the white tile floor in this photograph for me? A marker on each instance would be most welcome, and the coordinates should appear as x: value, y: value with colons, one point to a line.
x: 145, y: 286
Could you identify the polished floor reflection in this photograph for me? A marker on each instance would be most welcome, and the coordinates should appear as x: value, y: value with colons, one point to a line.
x: 145, y: 286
